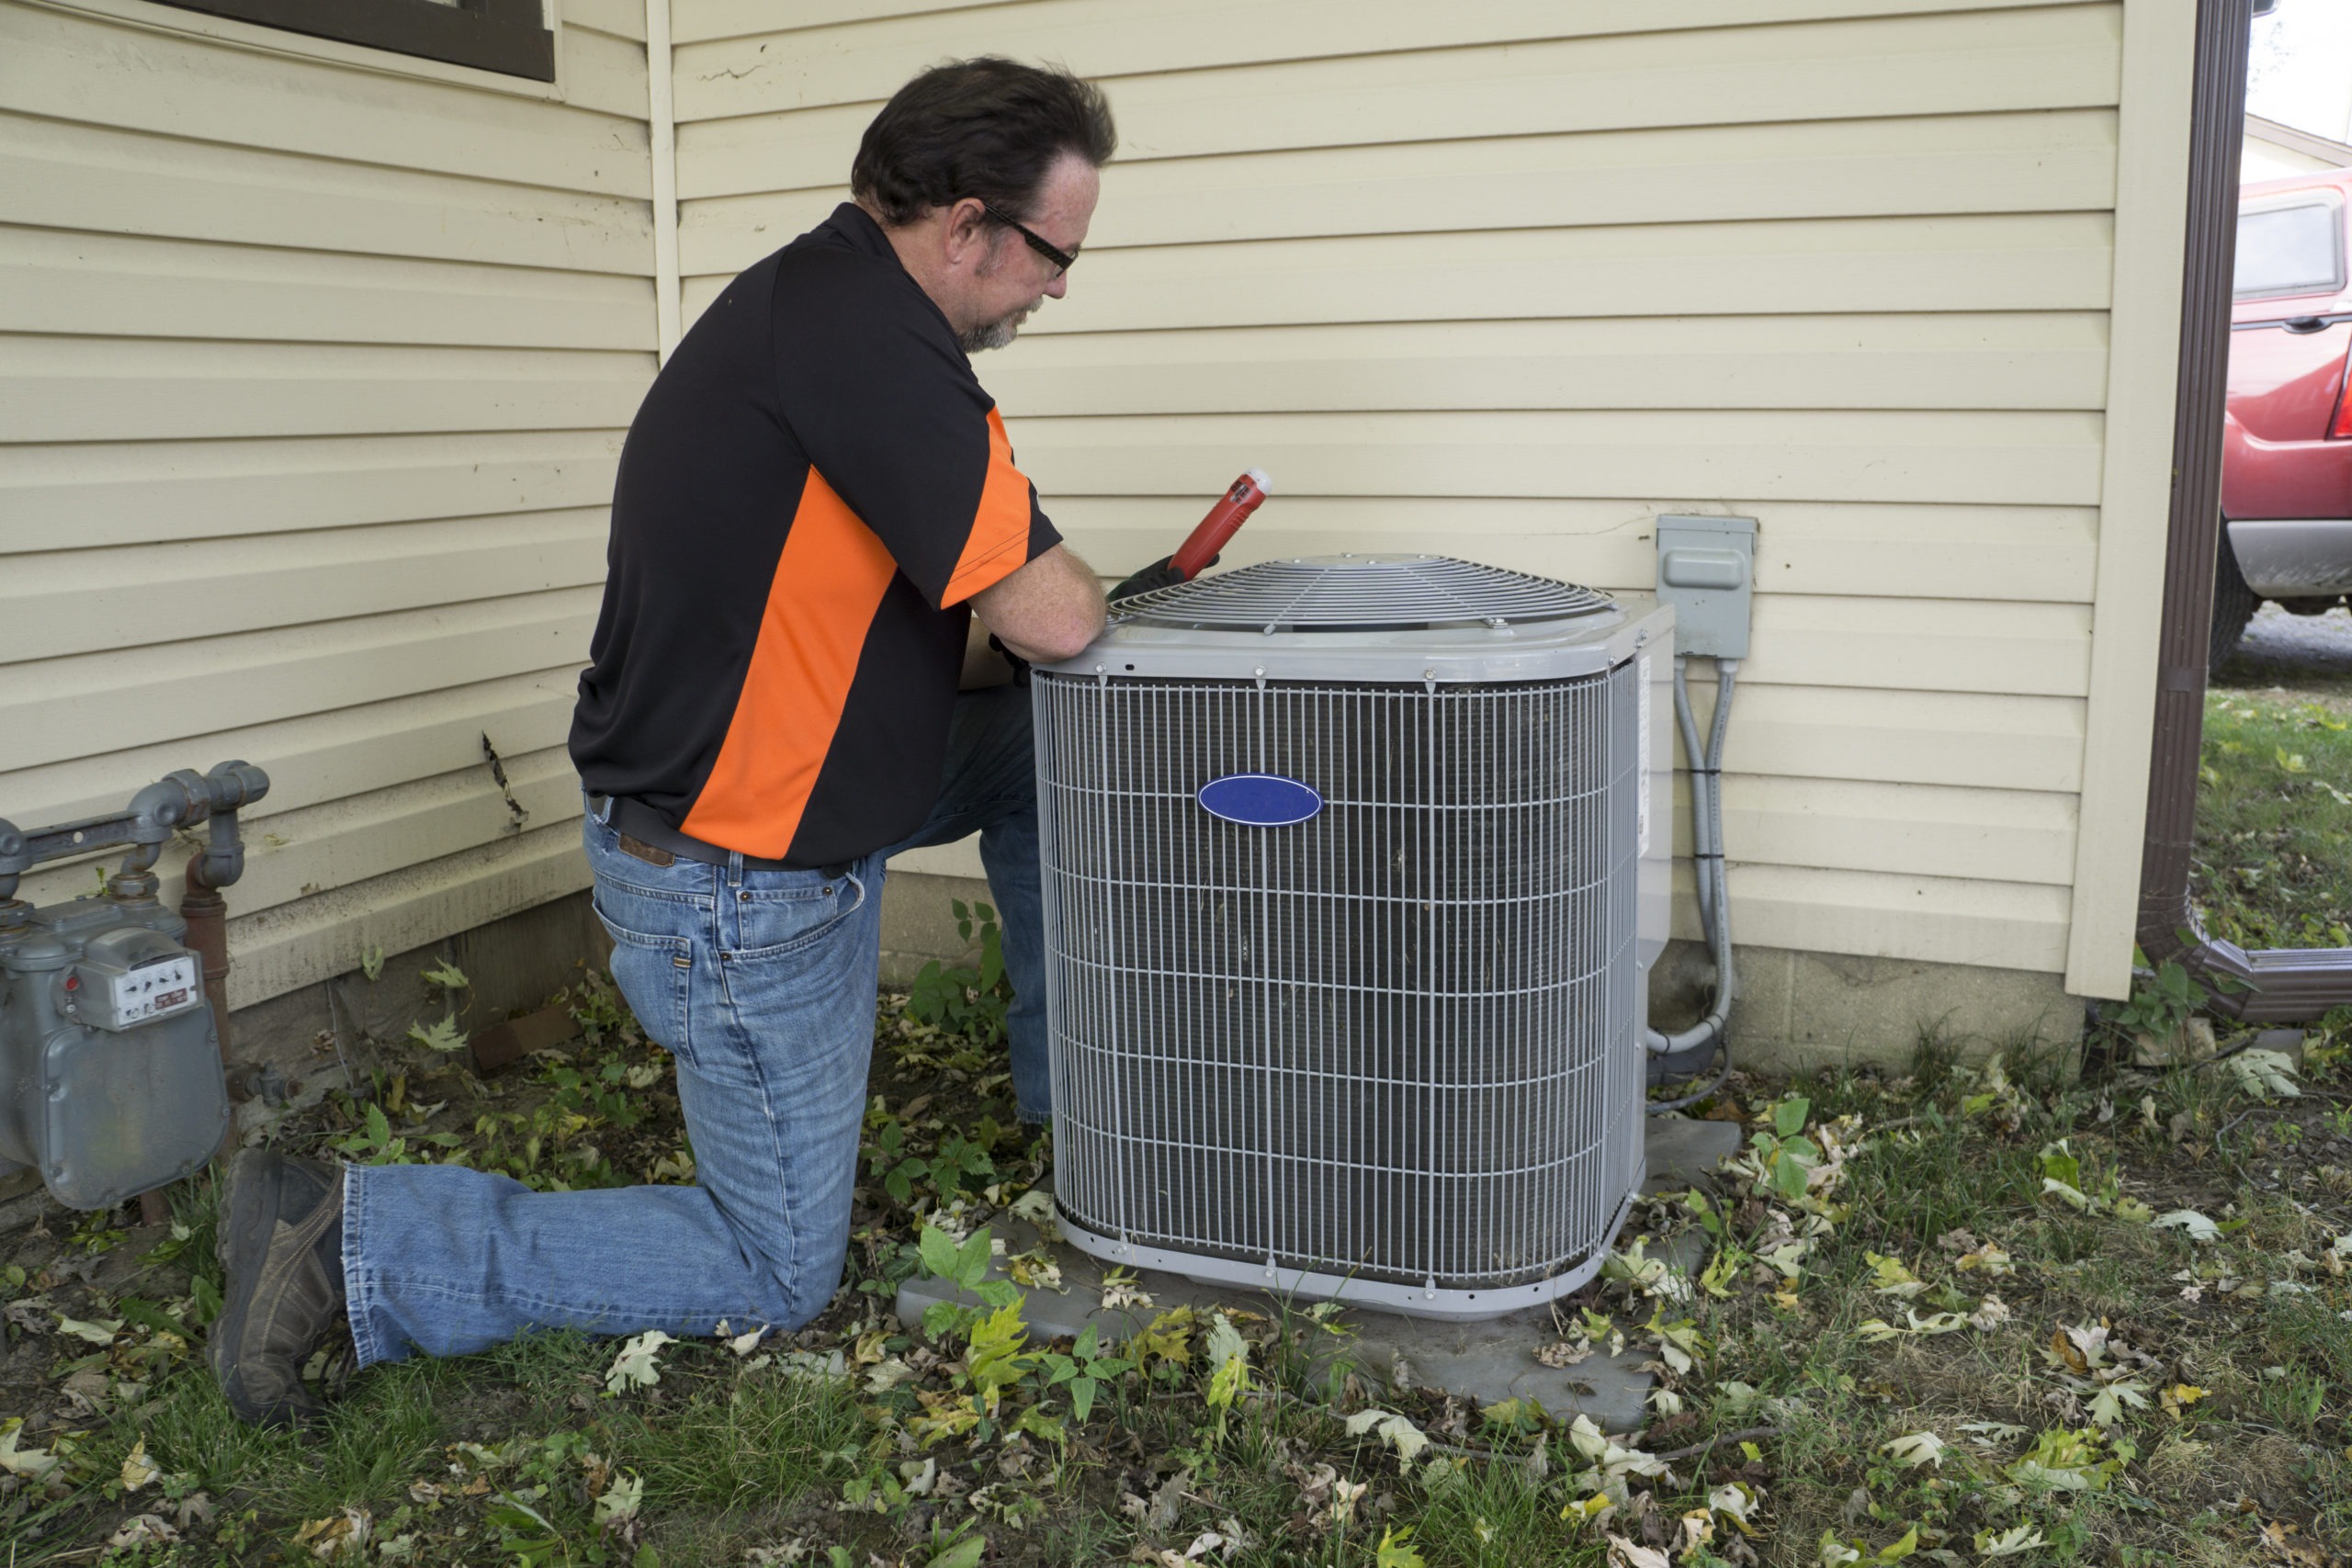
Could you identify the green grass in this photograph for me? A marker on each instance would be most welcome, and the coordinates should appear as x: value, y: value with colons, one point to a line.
x: 738, y: 1455
x: 2273, y: 819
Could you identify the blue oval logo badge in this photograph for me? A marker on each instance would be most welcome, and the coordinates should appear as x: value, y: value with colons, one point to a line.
x: 1260, y: 800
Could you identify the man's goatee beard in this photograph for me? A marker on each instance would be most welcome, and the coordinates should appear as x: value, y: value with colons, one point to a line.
x: 998, y: 334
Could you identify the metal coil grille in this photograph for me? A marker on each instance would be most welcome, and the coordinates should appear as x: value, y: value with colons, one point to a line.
x: 1394, y: 1042
x: 1360, y: 593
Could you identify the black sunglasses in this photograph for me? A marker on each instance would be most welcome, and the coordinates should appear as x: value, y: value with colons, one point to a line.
x: 1063, y: 260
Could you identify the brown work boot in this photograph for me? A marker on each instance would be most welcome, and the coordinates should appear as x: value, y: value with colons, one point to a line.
x: 281, y: 1241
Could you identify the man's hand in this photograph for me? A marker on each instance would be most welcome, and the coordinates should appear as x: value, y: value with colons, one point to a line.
x: 1050, y: 609
x: 1159, y: 575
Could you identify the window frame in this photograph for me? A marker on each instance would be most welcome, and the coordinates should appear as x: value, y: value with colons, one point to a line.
x: 508, y: 37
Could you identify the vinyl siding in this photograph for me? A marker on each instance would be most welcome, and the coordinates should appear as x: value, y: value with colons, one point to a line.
x: 314, y: 367
x: 313, y: 374
x: 1508, y: 280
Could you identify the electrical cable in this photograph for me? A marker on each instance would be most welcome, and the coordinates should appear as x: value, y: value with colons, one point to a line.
x: 1694, y: 754
x: 1711, y: 885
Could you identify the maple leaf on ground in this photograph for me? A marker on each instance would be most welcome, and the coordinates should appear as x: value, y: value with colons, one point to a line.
x: 618, y: 1502
x: 634, y: 1367
x: 2266, y: 1074
x: 2107, y: 1405
x: 1408, y: 1439
x: 2011, y: 1542
x: 443, y: 1036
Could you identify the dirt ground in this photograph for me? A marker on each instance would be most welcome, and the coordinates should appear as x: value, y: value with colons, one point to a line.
x: 2035, y: 1312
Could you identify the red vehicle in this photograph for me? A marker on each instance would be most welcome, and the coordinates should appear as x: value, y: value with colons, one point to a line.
x: 2287, y: 436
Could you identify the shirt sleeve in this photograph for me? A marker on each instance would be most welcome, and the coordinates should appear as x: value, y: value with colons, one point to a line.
x: 887, y: 408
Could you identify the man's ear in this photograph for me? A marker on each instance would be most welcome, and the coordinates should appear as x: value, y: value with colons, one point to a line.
x: 967, y: 233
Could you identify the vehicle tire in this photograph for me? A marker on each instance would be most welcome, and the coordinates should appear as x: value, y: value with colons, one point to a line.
x: 2234, y: 605
x: 2309, y: 606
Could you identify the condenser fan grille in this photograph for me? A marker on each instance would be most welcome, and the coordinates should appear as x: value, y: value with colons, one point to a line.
x: 1394, y: 1042
x: 1404, y: 592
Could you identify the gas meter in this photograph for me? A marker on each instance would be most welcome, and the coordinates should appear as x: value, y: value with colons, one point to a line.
x: 111, y: 1062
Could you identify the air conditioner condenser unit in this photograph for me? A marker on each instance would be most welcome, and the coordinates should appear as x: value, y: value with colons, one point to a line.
x: 1354, y: 870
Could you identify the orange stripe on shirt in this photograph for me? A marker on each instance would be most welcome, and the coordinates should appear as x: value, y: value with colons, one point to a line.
x: 829, y: 583
x: 998, y: 543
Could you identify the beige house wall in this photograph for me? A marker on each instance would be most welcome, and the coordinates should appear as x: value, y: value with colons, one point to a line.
x: 1509, y: 280
x: 315, y: 364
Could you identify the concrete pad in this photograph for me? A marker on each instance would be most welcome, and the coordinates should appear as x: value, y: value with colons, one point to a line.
x: 1495, y: 1360
x: 1485, y: 1361
x: 1684, y: 1152
x: 2290, y: 1042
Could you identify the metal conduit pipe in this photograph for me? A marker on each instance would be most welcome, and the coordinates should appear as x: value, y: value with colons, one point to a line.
x: 1702, y: 818
x: 1695, y: 1046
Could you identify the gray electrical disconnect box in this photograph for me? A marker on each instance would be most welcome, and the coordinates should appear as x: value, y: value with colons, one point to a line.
x: 1706, y: 570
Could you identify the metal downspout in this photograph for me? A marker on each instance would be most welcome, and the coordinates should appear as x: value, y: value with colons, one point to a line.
x: 2275, y: 985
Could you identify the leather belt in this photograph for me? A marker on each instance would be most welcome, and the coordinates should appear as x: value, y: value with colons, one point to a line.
x: 641, y: 827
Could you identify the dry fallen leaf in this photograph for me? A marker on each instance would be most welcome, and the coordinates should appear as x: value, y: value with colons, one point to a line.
x: 1990, y: 1312
x: 33, y: 1464
x: 1917, y: 1449
x: 138, y: 1470
x: 1623, y: 1553
x: 142, y: 1529
x: 99, y: 1333
x: 2191, y: 1224
x: 345, y: 1533
x: 634, y: 1367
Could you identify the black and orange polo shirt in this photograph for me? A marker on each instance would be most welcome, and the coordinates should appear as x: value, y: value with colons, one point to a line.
x: 812, y: 490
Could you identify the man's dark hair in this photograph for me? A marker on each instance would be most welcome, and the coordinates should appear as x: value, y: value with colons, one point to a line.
x: 986, y: 128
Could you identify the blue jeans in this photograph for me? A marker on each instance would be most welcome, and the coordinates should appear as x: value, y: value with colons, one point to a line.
x: 762, y: 986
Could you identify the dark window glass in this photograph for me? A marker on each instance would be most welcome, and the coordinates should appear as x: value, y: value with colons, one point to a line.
x: 506, y: 36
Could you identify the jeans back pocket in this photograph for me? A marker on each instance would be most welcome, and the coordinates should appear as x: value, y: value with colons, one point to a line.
x: 660, y: 935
